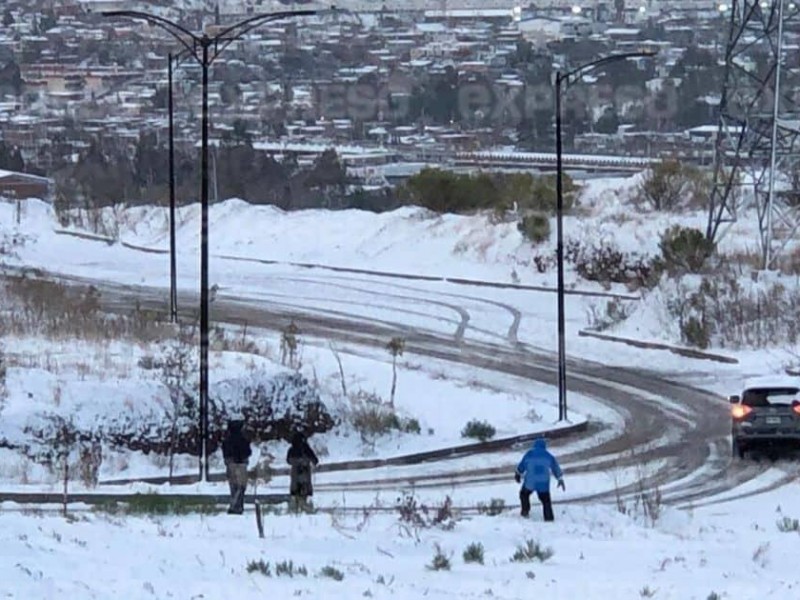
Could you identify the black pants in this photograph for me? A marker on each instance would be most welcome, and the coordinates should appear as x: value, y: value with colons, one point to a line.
x: 544, y: 498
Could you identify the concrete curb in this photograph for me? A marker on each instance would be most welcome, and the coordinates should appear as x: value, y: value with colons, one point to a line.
x: 370, y: 272
x: 103, y: 498
x: 456, y: 280
x: 86, y: 236
x: 687, y: 352
x: 405, y: 460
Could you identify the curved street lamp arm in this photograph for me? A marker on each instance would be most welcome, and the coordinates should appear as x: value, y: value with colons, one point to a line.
x: 174, y: 29
x: 178, y: 57
x: 602, y: 61
x: 235, y: 32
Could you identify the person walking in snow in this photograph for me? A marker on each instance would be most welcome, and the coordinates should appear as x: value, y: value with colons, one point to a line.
x: 534, y: 472
x: 236, y: 452
x: 301, y: 458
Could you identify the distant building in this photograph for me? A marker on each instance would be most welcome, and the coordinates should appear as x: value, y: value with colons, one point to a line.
x: 501, y: 16
x: 706, y: 133
x: 99, y: 6
x: 24, y: 185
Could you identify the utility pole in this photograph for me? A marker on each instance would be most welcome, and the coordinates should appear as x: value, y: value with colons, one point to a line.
x: 205, y: 50
x: 562, y: 80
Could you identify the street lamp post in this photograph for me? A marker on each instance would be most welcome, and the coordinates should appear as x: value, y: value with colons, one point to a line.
x: 205, y: 49
x: 563, y: 80
x: 173, y: 277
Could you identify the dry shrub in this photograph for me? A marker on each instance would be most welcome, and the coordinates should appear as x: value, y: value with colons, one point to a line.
x: 223, y: 340
x: 671, y: 185
x: 414, y: 515
x: 729, y: 312
x: 685, y: 249
x: 607, y: 313
x: 789, y: 262
x: 607, y: 264
x: 742, y: 262
x: 59, y: 311
x: 371, y: 417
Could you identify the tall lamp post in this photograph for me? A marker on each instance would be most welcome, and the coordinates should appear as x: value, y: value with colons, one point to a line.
x: 173, y: 276
x: 563, y: 80
x: 205, y: 49
x: 173, y: 269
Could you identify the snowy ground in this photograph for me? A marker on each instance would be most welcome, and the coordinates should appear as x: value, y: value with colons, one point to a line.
x: 736, y: 552
x: 733, y: 549
x: 59, y: 378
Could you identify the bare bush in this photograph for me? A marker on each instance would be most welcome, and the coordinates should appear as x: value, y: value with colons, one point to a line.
x: 614, y: 311
x: 789, y: 262
x: 648, y: 499
x: 671, y: 185
x: 223, y: 340
x: 338, y: 358
x: 90, y: 459
x: 728, y: 312
x: 56, y: 442
x: 55, y: 310
x: 373, y: 418
x: 742, y: 261
x: 10, y: 242
x: 495, y: 507
x: 645, y: 501
x: 414, y: 516
x: 761, y: 555
x: 440, y: 561
x: 178, y: 368
x: 608, y: 264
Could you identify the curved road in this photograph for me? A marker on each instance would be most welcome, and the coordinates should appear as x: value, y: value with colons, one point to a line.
x: 678, y: 432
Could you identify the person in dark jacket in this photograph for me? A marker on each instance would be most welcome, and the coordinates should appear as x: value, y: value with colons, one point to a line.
x: 301, y: 458
x: 535, y: 467
x: 236, y: 452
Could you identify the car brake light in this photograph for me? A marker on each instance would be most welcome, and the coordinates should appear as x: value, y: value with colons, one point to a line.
x: 740, y: 411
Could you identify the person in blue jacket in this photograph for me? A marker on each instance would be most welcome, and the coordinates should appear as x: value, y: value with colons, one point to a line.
x: 534, y: 471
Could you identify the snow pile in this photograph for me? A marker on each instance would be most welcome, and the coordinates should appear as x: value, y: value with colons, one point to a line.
x: 273, y: 406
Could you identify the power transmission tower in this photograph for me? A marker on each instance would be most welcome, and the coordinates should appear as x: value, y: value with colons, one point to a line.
x: 757, y: 151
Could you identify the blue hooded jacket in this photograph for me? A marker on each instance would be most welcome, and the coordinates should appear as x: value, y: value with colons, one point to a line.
x: 536, y: 466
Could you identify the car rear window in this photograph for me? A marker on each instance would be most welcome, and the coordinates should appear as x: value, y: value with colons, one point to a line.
x: 770, y: 396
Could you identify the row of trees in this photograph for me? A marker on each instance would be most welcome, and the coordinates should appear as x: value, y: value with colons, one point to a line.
x: 445, y: 191
x: 105, y: 177
x: 106, y: 174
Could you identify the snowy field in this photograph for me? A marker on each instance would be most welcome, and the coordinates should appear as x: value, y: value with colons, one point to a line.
x: 733, y: 549
x: 735, y: 552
